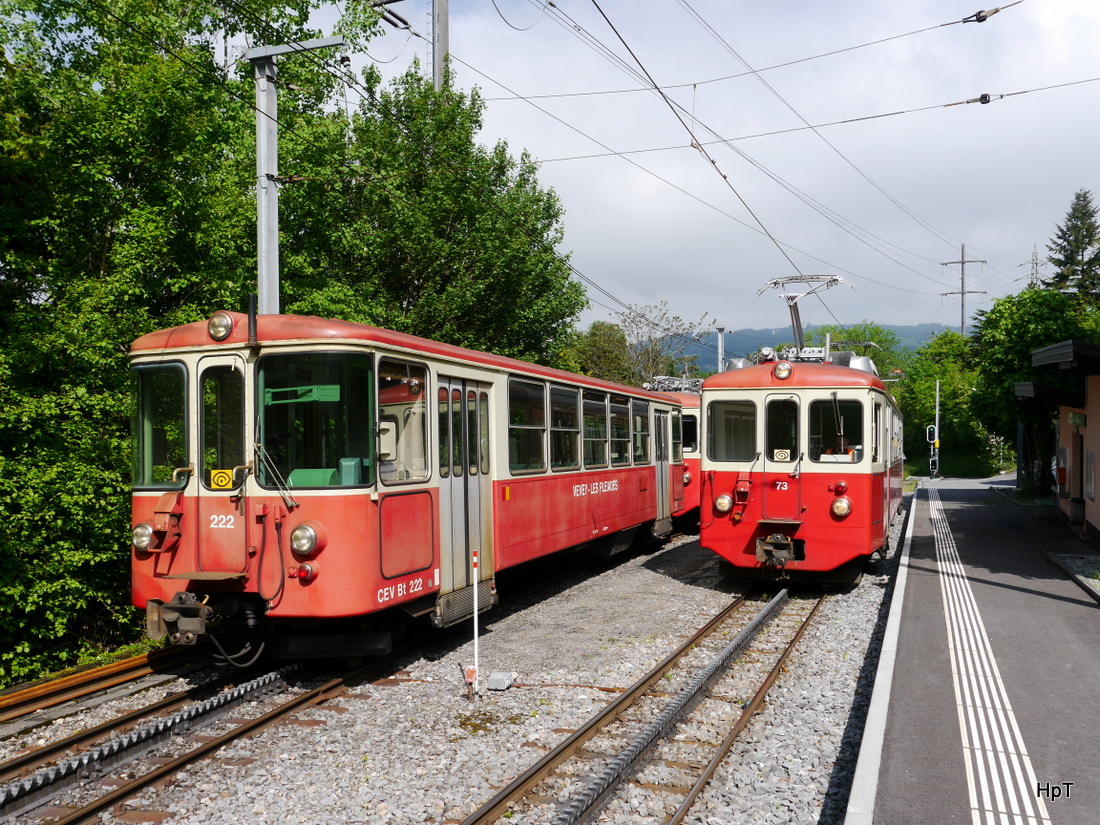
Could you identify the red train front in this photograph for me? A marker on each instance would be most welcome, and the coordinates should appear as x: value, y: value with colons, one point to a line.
x: 802, y: 468
x: 298, y: 478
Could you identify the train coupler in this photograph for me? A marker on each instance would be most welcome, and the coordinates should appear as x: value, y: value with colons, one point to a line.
x: 182, y: 619
x: 777, y: 549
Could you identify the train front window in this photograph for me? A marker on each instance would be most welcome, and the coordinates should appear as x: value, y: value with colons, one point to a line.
x: 315, y: 426
x: 836, y: 430
x: 782, y: 430
x: 158, y: 426
x: 222, y: 435
x: 731, y: 430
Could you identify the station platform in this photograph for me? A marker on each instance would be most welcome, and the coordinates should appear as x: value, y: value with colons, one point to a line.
x: 986, y: 705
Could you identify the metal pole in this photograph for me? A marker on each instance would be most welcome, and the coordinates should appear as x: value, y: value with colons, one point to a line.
x: 267, y: 164
x: 267, y: 192
x: 962, y: 311
x: 440, y: 42
x: 936, y: 444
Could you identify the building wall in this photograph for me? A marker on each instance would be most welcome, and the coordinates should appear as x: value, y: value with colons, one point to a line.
x: 1091, y: 450
x: 1071, y: 456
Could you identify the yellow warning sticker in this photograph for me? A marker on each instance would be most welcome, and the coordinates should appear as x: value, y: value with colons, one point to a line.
x: 221, y: 479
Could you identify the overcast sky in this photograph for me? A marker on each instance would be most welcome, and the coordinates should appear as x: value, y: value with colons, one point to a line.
x: 888, y: 186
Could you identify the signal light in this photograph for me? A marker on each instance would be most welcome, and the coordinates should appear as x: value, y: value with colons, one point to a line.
x: 306, y: 572
x: 841, y: 487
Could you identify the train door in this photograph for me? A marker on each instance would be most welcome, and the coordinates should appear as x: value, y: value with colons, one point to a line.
x: 223, y: 543
x: 782, y: 460
x: 664, y: 474
x: 465, y: 485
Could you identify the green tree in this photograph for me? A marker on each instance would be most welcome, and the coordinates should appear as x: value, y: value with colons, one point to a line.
x: 127, y: 171
x: 1075, y: 250
x: 864, y: 338
x: 965, y: 445
x: 1005, y: 337
x: 422, y: 230
x: 601, y: 353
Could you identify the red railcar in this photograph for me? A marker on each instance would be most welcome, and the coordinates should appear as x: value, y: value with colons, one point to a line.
x: 317, y: 482
x: 803, y: 465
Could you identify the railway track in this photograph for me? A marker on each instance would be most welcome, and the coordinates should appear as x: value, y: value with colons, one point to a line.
x: 67, y: 781
x: 23, y: 701
x: 656, y: 747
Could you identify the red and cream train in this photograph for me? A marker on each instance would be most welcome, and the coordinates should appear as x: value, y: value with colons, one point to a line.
x: 317, y: 482
x: 803, y: 466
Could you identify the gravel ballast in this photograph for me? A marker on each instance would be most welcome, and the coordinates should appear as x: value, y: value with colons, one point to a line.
x: 414, y: 749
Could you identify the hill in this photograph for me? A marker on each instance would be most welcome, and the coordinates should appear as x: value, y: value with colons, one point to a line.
x: 741, y: 342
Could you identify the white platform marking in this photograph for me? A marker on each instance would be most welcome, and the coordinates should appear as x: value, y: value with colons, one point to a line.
x: 998, y: 771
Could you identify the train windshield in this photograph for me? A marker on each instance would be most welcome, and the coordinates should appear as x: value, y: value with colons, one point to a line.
x: 158, y: 425
x: 731, y: 430
x: 315, y: 427
x: 836, y: 430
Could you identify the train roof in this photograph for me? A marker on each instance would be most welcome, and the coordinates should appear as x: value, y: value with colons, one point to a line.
x: 686, y: 399
x: 803, y: 374
x: 290, y: 329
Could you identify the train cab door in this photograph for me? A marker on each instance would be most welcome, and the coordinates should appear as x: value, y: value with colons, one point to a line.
x: 782, y: 460
x: 465, y: 494
x: 663, y: 523
x: 222, y: 526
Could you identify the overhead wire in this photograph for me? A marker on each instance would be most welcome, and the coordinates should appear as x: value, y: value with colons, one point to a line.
x: 347, y: 77
x: 577, y: 29
x: 702, y: 151
x: 759, y: 77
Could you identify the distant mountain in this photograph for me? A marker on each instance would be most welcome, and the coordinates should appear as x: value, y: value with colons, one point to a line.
x: 741, y: 342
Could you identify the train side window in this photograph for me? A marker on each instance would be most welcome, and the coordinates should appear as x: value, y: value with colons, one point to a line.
x: 565, y: 428
x: 526, y: 426
x: 677, y: 437
x: 159, y: 425
x: 731, y: 430
x: 620, y: 430
x: 640, y: 430
x: 876, y: 433
x: 472, y: 431
x: 595, y: 429
x: 691, y: 433
x: 836, y: 430
x: 456, y: 432
x: 483, y: 419
x: 444, y: 414
x: 402, y: 403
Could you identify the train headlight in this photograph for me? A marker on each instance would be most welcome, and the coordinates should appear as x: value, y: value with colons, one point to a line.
x: 220, y: 325
x: 687, y: 478
x: 142, y: 536
x: 782, y: 370
x: 723, y: 504
x: 308, y: 537
x: 842, y: 507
